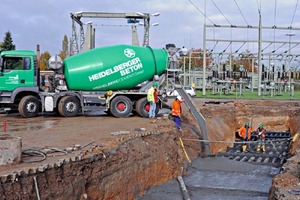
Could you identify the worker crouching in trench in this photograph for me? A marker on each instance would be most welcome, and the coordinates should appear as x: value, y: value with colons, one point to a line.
x: 261, y: 136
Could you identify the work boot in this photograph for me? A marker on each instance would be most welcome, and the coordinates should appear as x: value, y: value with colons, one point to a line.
x: 263, y: 148
x: 244, y: 148
x: 258, y: 148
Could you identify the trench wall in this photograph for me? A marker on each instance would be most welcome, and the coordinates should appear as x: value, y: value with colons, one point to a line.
x: 288, y: 179
x: 121, y: 173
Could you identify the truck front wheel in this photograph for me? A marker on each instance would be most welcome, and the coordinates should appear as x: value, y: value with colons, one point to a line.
x: 29, y: 106
x: 142, y: 107
x: 120, y: 106
x: 68, y: 106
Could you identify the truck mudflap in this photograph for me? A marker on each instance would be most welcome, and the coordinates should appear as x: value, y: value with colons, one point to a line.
x: 49, y: 104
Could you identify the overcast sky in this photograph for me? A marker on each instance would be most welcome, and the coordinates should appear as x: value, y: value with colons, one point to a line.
x: 33, y: 22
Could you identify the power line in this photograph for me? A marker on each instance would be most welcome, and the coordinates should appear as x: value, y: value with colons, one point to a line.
x: 294, y: 13
x: 201, y: 12
x: 241, y: 12
x: 221, y: 12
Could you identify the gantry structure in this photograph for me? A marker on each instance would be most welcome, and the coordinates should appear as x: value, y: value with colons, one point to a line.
x: 86, y: 40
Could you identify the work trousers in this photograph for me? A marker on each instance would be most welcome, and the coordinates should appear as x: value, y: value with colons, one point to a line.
x: 177, y: 121
x: 261, y: 141
x: 152, y: 110
x: 245, y: 140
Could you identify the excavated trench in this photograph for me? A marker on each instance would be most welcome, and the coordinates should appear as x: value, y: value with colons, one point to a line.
x: 153, y: 158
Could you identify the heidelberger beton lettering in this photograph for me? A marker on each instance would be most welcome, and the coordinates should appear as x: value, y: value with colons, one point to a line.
x: 124, y: 68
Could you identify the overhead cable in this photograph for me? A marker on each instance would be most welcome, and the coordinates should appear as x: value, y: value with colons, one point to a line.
x: 201, y: 12
x: 278, y: 48
x: 294, y: 13
x: 221, y: 12
x: 266, y: 47
x: 214, y: 46
x: 227, y: 47
x: 291, y: 48
x: 241, y: 12
x: 240, y: 47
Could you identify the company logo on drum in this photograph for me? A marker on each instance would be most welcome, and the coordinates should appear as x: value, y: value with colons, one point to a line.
x: 129, y: 53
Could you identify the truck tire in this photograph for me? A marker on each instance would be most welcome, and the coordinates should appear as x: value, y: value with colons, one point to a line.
x: 29, y: 106
x: 68, y: 106
x: 142, y: 108
x: 120, y: 106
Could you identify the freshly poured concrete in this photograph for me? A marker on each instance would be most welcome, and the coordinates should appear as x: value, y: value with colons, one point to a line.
x: 219, y: 178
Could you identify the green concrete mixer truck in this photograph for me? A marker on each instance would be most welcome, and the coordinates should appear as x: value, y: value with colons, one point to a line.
x: 102, y: 79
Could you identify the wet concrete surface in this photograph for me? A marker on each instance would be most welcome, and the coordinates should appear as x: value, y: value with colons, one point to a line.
x: 214, y: 178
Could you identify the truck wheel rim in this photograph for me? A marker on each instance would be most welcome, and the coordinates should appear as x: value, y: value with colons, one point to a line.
x: 31, y: 107
x: 71, y: 107
x: 147, y: 107
x: 121, y: 106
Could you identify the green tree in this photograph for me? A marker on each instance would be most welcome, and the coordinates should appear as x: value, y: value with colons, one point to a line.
x: 8, y: 42
x: 65, y: 46
x: 44, y: 60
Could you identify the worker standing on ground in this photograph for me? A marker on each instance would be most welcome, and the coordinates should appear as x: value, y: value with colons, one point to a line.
x: 151, y: 99
x: 245, y: 133
x: 176, y: 111
x: 261, y: 136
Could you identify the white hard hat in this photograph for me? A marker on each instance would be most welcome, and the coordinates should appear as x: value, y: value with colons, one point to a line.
x: 179, y: 98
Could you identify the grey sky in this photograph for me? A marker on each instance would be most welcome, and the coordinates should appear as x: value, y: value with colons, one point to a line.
x: 45, y: 22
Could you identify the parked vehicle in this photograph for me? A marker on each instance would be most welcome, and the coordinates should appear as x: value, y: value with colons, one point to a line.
x: 188, y: 89
x: 101, y: 79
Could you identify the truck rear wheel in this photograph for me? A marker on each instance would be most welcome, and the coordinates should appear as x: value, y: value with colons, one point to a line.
x: 29, y: 106
x: 68, y: 106
x: 120, y: 106
x: 142, y: 107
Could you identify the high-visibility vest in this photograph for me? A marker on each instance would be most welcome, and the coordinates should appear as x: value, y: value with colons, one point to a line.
x: 243, y: 132
x: 150, y: 95
x: 176, y: 108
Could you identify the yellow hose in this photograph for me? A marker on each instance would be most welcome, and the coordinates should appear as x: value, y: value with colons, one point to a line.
x: 295, y: 137
x: 185, y: 153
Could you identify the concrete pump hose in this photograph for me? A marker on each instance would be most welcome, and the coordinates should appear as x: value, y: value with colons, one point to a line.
x: 183, y: 188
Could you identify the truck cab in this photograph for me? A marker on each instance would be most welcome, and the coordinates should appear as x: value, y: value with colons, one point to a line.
x: 19, y: 78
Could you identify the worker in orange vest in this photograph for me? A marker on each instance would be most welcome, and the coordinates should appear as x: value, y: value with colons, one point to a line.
x: 176, y: 111
x: 245, y: 133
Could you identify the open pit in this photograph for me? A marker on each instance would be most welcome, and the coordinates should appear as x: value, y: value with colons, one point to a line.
x: 101, y: 157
